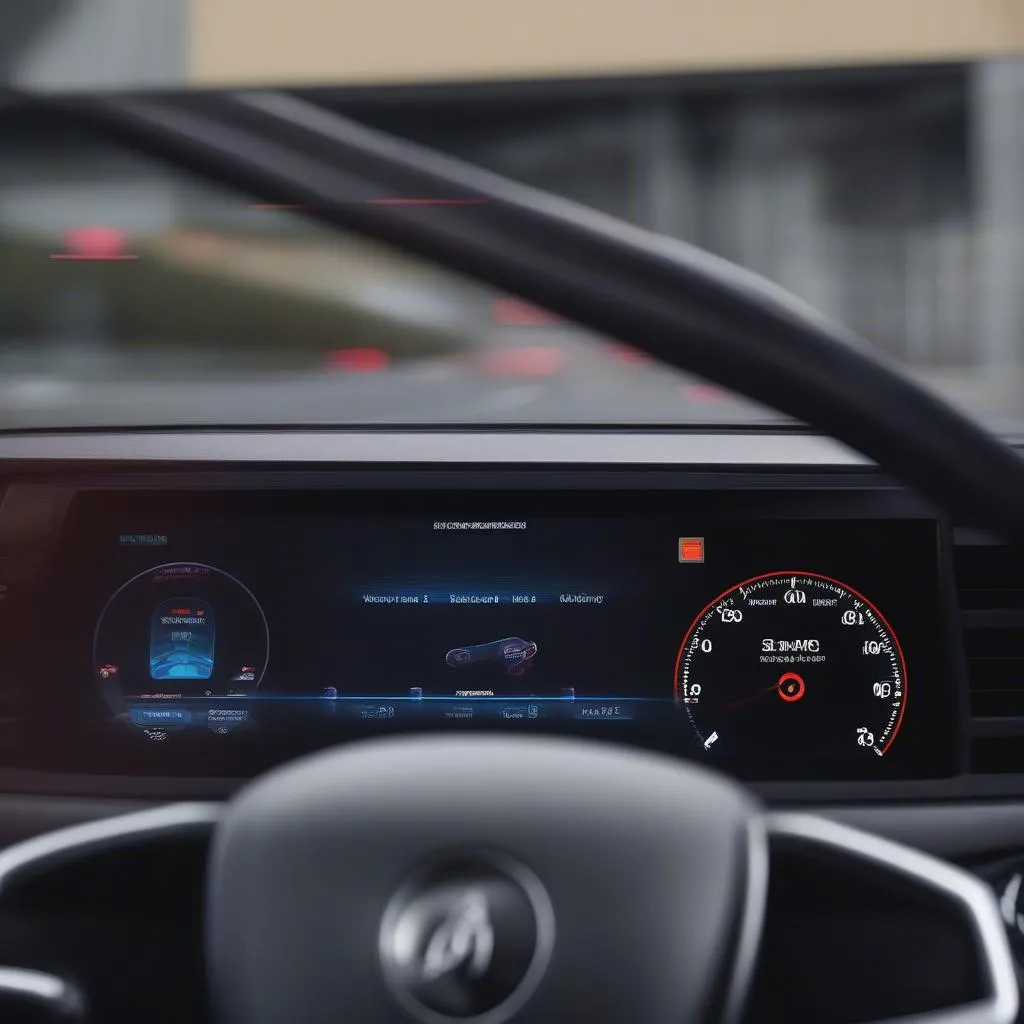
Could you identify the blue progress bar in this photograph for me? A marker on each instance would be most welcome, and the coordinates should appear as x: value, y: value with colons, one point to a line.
x: 379, y: 698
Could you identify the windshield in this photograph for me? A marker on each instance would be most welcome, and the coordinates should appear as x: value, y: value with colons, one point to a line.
x: 133, y: 293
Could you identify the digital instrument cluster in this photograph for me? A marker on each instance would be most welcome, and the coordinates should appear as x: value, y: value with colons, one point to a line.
x: 219, y: 633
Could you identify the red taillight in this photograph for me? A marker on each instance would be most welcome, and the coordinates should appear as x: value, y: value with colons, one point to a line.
x: 93, y: 243
x: 358, y: 360
x: 534, y: 361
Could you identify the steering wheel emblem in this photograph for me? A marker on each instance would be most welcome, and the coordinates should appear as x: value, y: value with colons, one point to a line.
x: 467, y: 940
x: 464, y: 938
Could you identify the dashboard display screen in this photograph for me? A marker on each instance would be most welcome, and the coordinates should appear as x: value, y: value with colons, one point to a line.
x: 221, y: 633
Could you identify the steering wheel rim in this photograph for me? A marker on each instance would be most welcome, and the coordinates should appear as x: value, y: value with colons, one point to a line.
x: 251, y: 941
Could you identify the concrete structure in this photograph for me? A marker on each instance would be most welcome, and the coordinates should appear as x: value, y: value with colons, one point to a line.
x: 233, y: 42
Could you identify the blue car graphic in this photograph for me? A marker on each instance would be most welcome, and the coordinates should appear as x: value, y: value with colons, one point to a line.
x: 511, y: 652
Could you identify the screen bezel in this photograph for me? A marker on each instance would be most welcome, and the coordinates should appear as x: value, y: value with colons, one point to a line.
x: 944, y: 755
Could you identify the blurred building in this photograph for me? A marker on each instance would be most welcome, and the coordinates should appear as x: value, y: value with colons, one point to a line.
x: 869, y: 157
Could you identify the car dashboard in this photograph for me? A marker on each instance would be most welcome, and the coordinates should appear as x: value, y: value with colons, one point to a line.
x: 184, y: 611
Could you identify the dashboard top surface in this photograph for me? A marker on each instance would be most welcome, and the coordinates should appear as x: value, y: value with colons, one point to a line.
x: 499, y: 446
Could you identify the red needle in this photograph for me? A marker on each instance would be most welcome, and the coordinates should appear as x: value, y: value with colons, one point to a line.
x: 753, y: 696
x: 790, y: 688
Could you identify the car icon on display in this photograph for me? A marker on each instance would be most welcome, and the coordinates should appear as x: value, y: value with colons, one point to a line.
x: 512, y: 652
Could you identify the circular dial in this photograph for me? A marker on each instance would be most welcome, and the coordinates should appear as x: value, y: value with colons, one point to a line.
x: 178, y: 632
x: 792, y: 664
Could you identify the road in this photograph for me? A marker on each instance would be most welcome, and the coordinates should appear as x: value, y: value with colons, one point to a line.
x: 550, y: 380
x: 589, y: 385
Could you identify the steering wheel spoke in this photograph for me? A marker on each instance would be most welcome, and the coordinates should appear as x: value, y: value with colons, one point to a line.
x: 860, y: 929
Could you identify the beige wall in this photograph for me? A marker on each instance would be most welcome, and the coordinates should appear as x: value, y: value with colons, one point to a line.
x: 282, y: 41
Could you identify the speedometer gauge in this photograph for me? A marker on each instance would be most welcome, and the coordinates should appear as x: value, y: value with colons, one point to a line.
x: 792, y: 664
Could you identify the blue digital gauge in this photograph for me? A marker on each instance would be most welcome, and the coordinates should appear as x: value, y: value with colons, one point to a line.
x: 175, y: 636
x: 182, y: 632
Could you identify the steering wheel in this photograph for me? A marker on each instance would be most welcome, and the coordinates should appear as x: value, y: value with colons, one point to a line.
x: 485, y: 880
